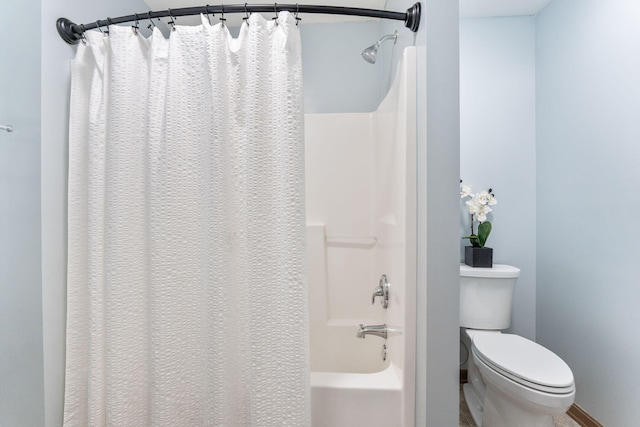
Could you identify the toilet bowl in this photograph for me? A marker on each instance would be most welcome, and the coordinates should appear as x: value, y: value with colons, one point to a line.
x: 512, y: 381
x: 515, y: 382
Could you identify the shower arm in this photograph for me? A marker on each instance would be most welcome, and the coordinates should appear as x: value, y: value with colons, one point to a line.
x: 72, y: 33
x: 387, y: 37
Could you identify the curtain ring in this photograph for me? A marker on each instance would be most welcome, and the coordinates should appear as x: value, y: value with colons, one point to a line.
x: 246, y: 14
x: 152, y: 25
x: 108, y: 24
x: 222, y: 18
x: 172, y: 20
x: 275, y: 9
x: 206, y: 11
x: 98, y: 26
x: 135, y: 25
x: 83, y: 37
x: 297, y: 12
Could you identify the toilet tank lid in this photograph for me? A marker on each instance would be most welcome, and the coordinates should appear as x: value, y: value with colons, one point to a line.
x: 498, y: 270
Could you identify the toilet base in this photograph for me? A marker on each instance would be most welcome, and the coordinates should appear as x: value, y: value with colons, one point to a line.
x: 493, y: 411
x: 473, y: 403
x: 499, y: 411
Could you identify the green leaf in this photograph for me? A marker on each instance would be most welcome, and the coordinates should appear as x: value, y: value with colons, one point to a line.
x: 484, y: 229
x: 474, y: 240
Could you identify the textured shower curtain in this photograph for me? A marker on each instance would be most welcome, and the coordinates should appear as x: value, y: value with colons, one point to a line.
x: 187, y: 300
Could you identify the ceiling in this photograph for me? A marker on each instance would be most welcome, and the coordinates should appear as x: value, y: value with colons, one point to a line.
x: 468, y: 9
x: 489, y: 8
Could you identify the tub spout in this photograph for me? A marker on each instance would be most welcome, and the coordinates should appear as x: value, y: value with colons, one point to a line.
x: 377, y: 330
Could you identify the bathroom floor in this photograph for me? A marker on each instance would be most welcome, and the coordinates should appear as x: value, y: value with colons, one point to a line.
x: 563, y: 420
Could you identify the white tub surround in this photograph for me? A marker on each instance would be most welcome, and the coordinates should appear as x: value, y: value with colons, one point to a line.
x: 360, y: 188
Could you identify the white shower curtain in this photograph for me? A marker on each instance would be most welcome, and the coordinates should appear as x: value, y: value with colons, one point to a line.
x: 187, y: 300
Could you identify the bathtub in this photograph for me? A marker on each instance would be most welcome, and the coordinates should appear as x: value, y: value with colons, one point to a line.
x: 353, y: 400
x: 352, y: 385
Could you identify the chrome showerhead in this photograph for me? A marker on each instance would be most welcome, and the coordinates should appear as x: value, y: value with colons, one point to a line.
x: 369, y: 54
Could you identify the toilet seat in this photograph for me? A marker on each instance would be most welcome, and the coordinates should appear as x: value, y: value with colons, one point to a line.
x: 524, y: 362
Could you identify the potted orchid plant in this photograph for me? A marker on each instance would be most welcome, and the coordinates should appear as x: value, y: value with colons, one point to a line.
x: 478, y: 206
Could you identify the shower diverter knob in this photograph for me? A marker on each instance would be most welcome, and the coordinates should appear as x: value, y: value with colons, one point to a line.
x: 382, y: 291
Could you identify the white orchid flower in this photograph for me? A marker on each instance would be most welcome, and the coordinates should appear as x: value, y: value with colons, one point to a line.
x: 483, y: 197
x: 481, y: 214
x: 482, y: 217
x: 465, y: 191
x: 485, y: 209
x: 474, y: 207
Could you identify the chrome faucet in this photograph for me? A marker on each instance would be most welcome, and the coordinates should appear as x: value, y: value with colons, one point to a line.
x: 377, y: 330
x: 382, y: 291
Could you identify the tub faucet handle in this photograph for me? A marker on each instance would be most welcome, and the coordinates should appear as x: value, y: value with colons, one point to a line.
x: 382, y: 291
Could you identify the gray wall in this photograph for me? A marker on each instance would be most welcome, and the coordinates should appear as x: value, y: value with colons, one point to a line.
x: 336, y: 78
x: 438, y: 271
x: 497, y: 145
x: 588, y: 104
x: 21, y: 374
x: 438, y: 149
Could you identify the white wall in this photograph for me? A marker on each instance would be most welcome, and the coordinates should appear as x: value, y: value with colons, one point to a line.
x: 341, y: 244
x: 360, y: 212
x: 394, y: 127
x: 21, y: 376
x: 588, y: 99
x: 497, y: 145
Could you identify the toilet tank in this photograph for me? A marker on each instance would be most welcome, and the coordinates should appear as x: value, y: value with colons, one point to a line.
x: 486, y: 296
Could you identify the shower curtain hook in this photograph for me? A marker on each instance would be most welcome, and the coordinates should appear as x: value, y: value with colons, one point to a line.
x: 108, y: 24
x: 152, y: 25
x: 172, y: 20
x: 275, y: 9
x: 222, y: 18
x: 297, y: 11
x: 98, y: 26
x: 246, y: 14
x: 136, y: 25
x: 206, y: 11
x: 83, y: 38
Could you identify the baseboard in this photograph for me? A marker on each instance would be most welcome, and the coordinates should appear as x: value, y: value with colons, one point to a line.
x: 580, y: 416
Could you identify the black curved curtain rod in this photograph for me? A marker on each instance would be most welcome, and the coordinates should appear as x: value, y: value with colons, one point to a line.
x: 72, y: 33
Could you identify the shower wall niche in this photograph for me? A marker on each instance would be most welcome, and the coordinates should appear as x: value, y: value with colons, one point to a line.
x: 360, y: 201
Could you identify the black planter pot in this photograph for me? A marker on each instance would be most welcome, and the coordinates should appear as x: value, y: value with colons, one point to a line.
x: 478, y: 257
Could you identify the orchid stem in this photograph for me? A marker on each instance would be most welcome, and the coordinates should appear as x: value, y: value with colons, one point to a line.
x: 471, y: 221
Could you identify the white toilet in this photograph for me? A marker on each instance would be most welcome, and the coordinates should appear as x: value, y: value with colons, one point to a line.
x: 512, y: 381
